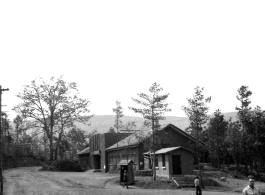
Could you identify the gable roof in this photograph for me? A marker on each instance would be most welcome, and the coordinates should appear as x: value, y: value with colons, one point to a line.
x: 85, y: 151
x: 182, y: 132
x: 131, y: 140
x: 125, y: 162
x: 166, y: 150
x: 134, y: 139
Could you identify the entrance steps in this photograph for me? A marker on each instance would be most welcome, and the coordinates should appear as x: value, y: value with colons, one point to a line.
x: 183, y: 181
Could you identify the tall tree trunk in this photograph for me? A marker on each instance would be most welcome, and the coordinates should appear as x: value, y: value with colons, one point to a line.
x: 245, y: 150
x: 57, y: 147
x: 236, y: 159
x: 56, y: 152
x: 218, y: 162
x: 51, y: 135
x: 154, y: 168
x: 59, y: 141
x: 51, y: 148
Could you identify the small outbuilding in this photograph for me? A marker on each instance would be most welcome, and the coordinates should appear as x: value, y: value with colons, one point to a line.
x: 128, y: 166
x: 83, y: 158
x: 173, y: 161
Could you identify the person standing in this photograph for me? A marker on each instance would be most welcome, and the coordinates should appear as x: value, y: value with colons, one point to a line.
x: 125, y: 179
x: 197, y: 186
x: 251, y: 189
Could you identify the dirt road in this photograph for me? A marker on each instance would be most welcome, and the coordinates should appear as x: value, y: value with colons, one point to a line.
x: 30, y: 180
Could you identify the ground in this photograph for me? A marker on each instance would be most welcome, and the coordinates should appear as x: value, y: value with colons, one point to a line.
x: 31, y: 180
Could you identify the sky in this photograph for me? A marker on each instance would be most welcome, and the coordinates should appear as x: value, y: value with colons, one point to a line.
x: 116, y: 49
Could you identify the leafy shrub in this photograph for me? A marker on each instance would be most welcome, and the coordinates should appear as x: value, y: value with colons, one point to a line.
x: 68, y: 165
x: 10, y: 162
x: 65, y: 165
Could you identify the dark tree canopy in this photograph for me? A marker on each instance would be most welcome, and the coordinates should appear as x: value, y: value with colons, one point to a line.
x: 111, y: 130
x: 197, y: 110
x: 216, y: 130
x: 243, y: 95
x: 153, y: 105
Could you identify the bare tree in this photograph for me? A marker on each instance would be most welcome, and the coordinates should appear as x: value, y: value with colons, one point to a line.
x: 51, y: 102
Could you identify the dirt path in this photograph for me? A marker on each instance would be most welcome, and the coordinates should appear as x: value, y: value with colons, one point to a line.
x: 29, y: 180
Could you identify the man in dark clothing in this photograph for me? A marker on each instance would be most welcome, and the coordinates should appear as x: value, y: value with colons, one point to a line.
x: 125, y: 179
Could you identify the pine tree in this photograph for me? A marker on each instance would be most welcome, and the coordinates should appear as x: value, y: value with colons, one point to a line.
x: 153, y: 107
x: 118, y: 115
x: 217, y: 129
x: 243, y: 114
x: 197, y: 110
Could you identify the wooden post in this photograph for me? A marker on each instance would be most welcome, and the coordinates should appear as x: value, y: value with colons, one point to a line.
x: 1, y: 143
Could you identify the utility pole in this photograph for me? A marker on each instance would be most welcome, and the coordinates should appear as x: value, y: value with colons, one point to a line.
x: 1, y: 142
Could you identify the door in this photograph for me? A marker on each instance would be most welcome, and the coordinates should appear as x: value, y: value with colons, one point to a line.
x: 176, y: 164
x: 96, y: 162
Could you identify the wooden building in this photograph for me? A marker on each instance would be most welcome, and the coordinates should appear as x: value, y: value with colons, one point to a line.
x: 132, y: 147
x: 107, y: 150
x: 84, y: 159
x: 173, y: 161
x: 94, y: 156
x: 127, y: 165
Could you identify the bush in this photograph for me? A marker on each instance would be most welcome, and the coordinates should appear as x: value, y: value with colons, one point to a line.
x: 49, y: 166
x: 69, y: 166
x: 10, y: 162
x: 66, y: 165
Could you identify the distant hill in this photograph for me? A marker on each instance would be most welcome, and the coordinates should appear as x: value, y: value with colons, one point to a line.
x: 102, y: 123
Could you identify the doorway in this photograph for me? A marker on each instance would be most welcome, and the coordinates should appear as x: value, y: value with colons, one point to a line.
x: 176, y: 164
x: 96, y: 162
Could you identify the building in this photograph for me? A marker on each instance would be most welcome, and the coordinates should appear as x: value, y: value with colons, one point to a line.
x: 108, y: 149
x: 84, y: 160
x: 132, y: 147
x: 173, y: 161
x: 97, y: 145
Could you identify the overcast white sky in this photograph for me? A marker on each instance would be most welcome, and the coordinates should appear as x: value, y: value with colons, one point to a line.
x: 116, y: 49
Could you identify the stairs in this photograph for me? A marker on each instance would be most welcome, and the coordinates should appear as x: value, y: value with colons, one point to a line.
x: 183, y: 181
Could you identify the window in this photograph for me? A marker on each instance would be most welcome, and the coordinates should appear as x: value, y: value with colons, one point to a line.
x: 163, y: 160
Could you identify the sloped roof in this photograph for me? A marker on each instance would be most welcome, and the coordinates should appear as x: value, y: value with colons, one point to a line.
x: 131, y: 140
x: 125, y: 162
x: 134, y: 138
x: 182, y: 132
x: 166, y: 150
x: 85, y: 151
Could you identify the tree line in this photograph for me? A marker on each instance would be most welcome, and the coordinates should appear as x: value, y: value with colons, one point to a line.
x: 45, y: 121
x: 225, y: 142
x: 239, y: 142
x: 45, y: 124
